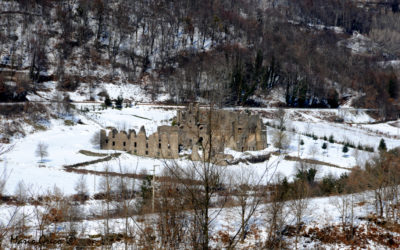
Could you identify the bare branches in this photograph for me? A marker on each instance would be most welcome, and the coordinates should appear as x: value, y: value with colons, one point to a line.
x: 280, y: 135
x: 3, y: 180
x: 5, y: 148
x: 42, y: 150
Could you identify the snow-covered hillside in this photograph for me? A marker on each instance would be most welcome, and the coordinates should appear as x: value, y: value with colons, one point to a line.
x: 69, y: 141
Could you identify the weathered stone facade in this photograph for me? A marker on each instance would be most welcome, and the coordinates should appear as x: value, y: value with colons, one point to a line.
x: 238, y: 131
x: 162, y: 144
x: 193, y: 128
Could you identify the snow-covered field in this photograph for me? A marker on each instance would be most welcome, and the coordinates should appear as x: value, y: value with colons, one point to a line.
x: 318, y: 213
x: 64, y: 143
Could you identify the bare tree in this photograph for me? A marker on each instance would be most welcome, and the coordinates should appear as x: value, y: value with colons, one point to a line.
x: 280, y: 135
x: 250, y: 191
x: 5, y: 148
x: 172, y: 218
x: 7, y: 225
x: 299, y: 204
x: 4, y: 174
x: 126, y: 189
x: 105, y: 186
x: 3, y: 180
x: 81, y: 188
x: 95, y: 140
x: 42, y: 150
x: 21, y: 192
x: 276, y: 213
x: 345, y: 205
x: 201, y: 181
x: 44, y: 212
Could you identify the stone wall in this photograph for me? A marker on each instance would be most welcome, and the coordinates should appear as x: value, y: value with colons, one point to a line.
x: 162, y: 144
x: 239, y: 131
x: 195, y: 128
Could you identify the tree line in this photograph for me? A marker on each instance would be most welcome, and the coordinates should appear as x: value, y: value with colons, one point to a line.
x: 235, y: 50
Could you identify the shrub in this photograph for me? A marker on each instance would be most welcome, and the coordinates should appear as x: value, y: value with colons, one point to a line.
x: 306, y: 175
x: 369, y: 149
x: 328, y: 185
x: 118, y: 102
x: 69, y: 123
x: 345, y: 149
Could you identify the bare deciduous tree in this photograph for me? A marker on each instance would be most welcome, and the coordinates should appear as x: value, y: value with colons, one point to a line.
x: 7, y: 225
x: 21, y: 192
x: 95, y: 140
x: 3, y: 180
x: 42, y: 150
x: 345, y: 205
x: 202, y: 180
x: 280, y: 135
x: 299, y: 204
x: 5, y: 148
x: 276, y: 213
x: 81, y: 188
x: 250, y: 191
x: 172, y: 218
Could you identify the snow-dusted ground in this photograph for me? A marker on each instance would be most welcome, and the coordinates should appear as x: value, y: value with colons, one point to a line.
x: 318, y: 213
x: 64, y: 143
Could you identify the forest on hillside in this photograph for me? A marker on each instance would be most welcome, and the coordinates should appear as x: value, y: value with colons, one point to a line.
x: 317, y: 53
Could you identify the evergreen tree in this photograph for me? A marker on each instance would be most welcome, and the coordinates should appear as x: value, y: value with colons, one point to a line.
x: 324, y: 145
x: 382, y: 145
x: 107, y: 102
x: 118, y: 102
x: 345, y: 149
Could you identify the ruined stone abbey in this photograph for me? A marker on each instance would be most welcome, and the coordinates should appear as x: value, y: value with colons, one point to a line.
x: 193, y: 128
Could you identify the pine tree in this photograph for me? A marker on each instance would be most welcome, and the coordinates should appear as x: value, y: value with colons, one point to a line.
x: 107, y: 102
x: 345, y: 149
x: 118, y: 102
x: 382, y: 145
x: 324, y: 146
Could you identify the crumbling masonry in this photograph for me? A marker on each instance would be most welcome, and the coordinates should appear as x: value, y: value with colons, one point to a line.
x: 193, y: 128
